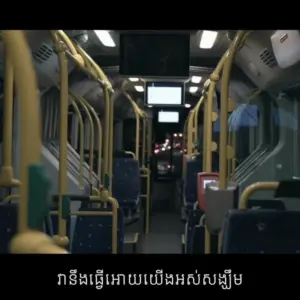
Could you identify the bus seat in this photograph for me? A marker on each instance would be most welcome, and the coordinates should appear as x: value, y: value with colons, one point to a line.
x: 193, y: 220
x: 198, y: 241
x: 261, y: 231
x: 266, y: 204
x: 9, y: 223
x: 122, y: 154
x: 92, y: 234
x: 70, y: 222
x: 193, y: 167
x: 126, y: 182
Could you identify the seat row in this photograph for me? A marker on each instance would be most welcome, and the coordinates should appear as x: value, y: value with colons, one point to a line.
x: 89, y: 232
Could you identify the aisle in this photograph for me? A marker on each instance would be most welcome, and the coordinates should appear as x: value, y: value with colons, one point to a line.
x: 165, y: 235
x: 166, y: 227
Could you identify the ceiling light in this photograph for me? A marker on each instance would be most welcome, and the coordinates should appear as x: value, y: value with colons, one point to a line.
x: 193, y: 89
x: 150, y: 106
x: 105, y: 38
x: 134, y: 79
x: 139, y: 88
x: 187, y: 105
x: 208, y: 39
x: 196, y: 79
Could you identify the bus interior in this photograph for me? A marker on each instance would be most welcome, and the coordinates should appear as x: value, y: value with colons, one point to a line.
x: 109, y: 145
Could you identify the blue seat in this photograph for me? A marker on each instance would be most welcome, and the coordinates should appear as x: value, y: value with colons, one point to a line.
x: 266, y: 204
x: 93, y: 234
x: 197, y: 236
x: 198, y: 241
x: 193, y: 220
x: 70, y: 222
x: 193, y: 167
x: 9, y: 223
x: 126, y: 182
x: 261, y: 231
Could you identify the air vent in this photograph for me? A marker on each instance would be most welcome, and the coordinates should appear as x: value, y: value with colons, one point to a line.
x: 268, y: 58
x: 43, y: 53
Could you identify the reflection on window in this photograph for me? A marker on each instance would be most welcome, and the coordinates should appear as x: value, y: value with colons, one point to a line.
x: 284, y: 119
x: 243, y: 130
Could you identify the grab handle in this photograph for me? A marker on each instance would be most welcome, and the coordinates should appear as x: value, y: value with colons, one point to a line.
x: 251, y: 189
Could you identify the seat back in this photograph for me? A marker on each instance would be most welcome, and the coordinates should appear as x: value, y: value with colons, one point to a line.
x: 198, y: 241
x: 193, y: 167
x: 126, y: 181
x: 193, y: 221
x: 93, y: 234
x: 9, y: 223
x: 122, y: 154
x: 261, y: 231
x: 266, y: 204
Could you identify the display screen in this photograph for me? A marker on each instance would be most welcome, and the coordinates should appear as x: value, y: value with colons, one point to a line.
x: 155, y: 55
x: 206, y: 182
x: 168, y: 116
x: 164, y: 94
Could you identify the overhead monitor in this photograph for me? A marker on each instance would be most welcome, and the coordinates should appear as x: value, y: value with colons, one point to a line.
x: 168, y: 117
x: 164, y: 93
x: 155, y: 55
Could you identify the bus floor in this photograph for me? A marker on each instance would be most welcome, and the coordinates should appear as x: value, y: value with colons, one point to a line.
x: 166, y: 227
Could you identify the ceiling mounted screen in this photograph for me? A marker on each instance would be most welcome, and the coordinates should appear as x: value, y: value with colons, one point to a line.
x: 155, y: 55
x: 168, y: 117
x: 164, y: 93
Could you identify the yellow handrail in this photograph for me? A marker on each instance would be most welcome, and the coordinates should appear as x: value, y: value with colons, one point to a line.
x: 61, y: 239
x: 64, y: 38
x: 195, y: 122
x: 251, y: 189
x: 99, y: 134
x: 90, y: 67
x: 224, y: 106
x: 138, y: 114
x: 111, y: 142
x: 92, y: 134
x: 107, y: 89
x: 207, y: 135
x: 81, y: 143
x: 7, y: 172
x: 208, y: 111
x: 29, y: 109
x: 144, y: 120
x: 190, y: 132
x: 98, y: 123
x: 26, y: 85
